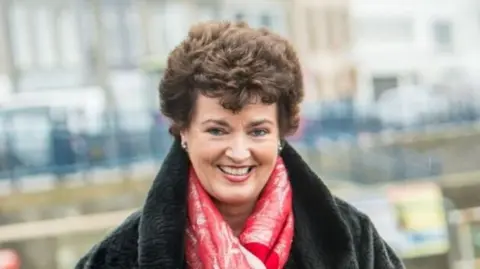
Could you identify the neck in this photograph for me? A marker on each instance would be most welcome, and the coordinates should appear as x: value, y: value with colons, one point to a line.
x: 236, y: 215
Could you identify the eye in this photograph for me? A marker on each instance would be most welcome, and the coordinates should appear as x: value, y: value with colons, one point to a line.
x: 216, y: 131
x: 259, y: 132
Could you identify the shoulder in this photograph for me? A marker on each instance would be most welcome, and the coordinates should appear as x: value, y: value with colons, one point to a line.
x: 117, y: 250
x: 354, y: 218
x: 371, y: 249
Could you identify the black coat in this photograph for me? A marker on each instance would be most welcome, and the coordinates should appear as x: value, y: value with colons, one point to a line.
x: 329, y: 233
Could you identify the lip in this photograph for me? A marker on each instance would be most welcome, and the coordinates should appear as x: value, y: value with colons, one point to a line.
x: 236, y: 179
x: 237, y: 166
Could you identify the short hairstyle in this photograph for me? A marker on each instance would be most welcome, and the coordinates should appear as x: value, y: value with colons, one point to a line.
x: 237, y: 64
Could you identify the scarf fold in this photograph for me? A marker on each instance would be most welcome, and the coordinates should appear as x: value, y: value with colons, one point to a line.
x: 267, y: 234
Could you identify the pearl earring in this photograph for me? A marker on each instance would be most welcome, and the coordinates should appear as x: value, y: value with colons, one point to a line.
x: 184, y: 145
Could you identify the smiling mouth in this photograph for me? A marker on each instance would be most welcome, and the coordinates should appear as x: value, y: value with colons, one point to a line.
x: 236, y: 171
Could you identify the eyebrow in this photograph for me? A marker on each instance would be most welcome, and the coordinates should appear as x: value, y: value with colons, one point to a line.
x: 219, y: 122
x: 260, y: 122
x: 225, y: 123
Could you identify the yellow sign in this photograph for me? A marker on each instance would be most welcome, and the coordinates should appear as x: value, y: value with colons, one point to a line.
x: 421, y: 217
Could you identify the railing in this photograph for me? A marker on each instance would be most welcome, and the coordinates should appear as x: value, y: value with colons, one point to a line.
x: 373, y: 165
x: 57, y: 150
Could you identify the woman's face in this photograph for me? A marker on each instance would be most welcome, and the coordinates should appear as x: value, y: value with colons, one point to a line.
x: 233, y: 153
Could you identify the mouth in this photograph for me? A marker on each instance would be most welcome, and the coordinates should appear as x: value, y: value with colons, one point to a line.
x: 235, y: 171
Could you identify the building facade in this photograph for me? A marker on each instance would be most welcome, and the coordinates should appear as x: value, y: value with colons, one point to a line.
x: 349, y: 49
x: 427, y: 42
x: 321, y: 32
x: 5, y: 60
x: 357, y: 49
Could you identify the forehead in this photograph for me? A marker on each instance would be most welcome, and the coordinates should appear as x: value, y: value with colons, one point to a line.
x: 210, y: 108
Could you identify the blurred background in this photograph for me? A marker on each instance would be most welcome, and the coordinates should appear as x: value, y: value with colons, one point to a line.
x: 391, y: 119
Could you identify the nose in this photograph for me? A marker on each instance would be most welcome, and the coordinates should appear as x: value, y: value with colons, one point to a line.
x: 239, y: 151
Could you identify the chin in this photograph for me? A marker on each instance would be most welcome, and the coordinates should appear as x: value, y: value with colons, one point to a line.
x: 236, y: 197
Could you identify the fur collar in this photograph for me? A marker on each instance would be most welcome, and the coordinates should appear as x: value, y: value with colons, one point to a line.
x: 321, y: 240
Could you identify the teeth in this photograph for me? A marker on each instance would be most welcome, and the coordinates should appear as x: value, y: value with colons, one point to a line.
x: 235, y: 171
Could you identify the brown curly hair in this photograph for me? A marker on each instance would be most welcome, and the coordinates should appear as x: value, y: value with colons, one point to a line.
x: 237, y: 64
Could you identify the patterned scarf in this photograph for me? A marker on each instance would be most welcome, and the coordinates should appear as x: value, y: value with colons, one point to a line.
x: 265, y: 241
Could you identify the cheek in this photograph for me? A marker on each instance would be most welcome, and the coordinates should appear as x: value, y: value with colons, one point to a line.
x: 202, y: 154
x: 202, y: 159
x: 266, y: 154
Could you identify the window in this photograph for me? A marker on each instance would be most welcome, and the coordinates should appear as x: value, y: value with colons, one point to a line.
x: 29, y: 137
x: 45, y: 38
x: 239, y: 16
x: 156, y: 33
x: 113, y: 35
x: 123, y: 34
x: 399, y: 29
x: 178, y: 21
x: 69, y: 43
x: 168, y: 24
x: 313, y: 28
x: 328, y: 27
x: 135, y: 40
x: 442, y: 34
x: 22, y: 37
x: 329, y: 20
x: 384, y: 83
x: 266, y: 20
x: 341, y: 35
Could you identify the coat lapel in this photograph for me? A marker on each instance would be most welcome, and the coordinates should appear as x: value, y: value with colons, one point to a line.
x: 322, y: 238
x: 162, y: 225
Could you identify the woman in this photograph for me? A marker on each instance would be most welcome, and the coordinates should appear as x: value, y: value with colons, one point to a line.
x: 230, y: 193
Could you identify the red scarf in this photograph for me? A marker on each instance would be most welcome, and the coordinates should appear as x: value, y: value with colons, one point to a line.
x: 267, y: 234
